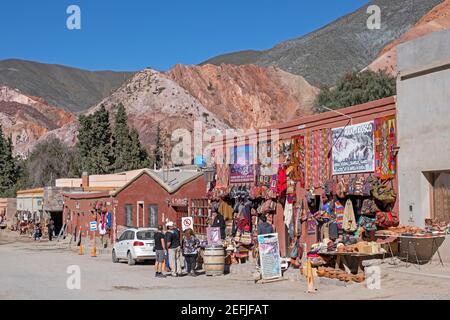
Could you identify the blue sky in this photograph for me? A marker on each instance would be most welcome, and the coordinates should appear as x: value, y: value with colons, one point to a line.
x: 134, y: 34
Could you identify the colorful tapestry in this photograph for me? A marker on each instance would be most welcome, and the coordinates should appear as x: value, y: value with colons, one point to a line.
x: 317, y: 160
x: 265, y: 161
x: 309, y: 155
x: 298, y: 160
x: 385, y: 142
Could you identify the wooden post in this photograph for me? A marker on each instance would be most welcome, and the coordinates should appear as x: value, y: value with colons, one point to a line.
x: 310, y: 278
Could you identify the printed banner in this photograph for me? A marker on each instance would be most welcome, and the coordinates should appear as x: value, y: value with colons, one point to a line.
x: 242, y: 167
x: 353, y: 149
x: 269, y: 256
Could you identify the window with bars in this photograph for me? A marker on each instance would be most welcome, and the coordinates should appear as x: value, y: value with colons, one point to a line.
x: 153, y: 216
x: 129, y: 215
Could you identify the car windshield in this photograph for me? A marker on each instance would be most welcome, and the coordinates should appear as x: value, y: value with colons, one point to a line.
x: 145, y: 235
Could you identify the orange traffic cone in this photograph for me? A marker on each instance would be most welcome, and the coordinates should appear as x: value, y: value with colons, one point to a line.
x: 81, y: 249
x: 94, y: 251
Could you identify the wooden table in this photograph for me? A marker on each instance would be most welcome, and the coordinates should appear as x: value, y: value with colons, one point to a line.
x: 352, y: 260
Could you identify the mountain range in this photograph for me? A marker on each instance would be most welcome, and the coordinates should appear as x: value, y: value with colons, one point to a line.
x: 244, y: 90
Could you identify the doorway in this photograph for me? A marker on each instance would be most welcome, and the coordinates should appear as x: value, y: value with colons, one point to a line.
x: 57, y: 217
x: 441, y: 197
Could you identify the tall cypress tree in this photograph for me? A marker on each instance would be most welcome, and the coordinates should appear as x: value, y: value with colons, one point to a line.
x: 9, y: 167
x: 94, y: 142
x: 128, y: 151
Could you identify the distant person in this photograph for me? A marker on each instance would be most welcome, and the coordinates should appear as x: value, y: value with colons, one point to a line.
x: 51, y: 229
x: 160, y: 250
x: 190, y: 246
x: 37, y: 232
x: 264, y: 227
x: 173, y: 244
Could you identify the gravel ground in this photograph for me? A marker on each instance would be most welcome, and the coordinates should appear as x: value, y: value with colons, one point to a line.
x: 32, y: 270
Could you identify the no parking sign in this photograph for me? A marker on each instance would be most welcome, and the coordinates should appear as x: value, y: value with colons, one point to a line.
x: 187, y: 223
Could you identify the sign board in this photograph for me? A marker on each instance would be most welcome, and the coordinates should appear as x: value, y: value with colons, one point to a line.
x: 213, y: 236
x: 269, y: 256
x: 187, y: 223
x: 353, y: 149
x: 242, y: 160
x: 93, y: 226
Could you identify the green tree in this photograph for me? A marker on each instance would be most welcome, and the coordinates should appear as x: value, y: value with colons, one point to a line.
x: 128, y: 151
x: 94, y: 143
x: 356, y: 88
x: 49, y: 160
x: 9, y: 167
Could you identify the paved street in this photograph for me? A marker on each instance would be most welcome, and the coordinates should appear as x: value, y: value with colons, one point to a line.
x: 38, y: 271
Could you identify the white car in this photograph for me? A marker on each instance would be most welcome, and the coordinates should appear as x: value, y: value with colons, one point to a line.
x: 135, y: 245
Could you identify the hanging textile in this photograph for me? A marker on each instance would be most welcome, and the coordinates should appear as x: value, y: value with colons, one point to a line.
x: 308, y: 160
x: 298, y: 160
x: 222, y: 175
x: 288, y: 213
x: 317, y: 162
x: 349, y: 223
x: 326, y: 157
x: 265, y: 162
x: 385, y: 142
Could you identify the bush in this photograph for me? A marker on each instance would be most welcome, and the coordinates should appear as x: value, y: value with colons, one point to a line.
x: 356, y: 88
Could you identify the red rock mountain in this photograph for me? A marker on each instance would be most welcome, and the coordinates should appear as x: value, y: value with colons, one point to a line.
x: 436, y: 20
x: 247, y: 96
x: 28, y: 118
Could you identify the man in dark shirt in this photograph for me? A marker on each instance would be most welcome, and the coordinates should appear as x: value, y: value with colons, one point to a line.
x: 218, y: 221
x: 173, y: 245
x: 160, y: 250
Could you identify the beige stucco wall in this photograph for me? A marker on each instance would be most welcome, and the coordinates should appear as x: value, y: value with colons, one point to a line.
x: 423, y: 118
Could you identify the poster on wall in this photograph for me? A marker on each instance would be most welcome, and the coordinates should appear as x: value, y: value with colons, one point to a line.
x: 353, y: 149
x: 242, y: 166
x: 269, y: 256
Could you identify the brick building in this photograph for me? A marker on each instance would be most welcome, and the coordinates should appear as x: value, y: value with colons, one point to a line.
x: 148, y: 199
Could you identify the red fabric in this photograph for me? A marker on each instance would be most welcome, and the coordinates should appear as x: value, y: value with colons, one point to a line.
x: 282, y: 180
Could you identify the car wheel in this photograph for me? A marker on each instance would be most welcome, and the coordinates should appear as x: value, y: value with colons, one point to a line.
x: 114, y: 257
x: 131, y: 261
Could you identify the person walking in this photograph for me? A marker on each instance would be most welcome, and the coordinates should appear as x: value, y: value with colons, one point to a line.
x: 173, y: 245
x: 190, y: 246
x: 160, y: 250
x: 51, y: 229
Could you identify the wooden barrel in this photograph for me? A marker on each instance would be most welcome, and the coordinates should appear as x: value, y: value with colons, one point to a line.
x: 214, y: 261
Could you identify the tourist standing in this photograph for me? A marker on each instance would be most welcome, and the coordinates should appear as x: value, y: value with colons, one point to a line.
x: 160, y: 250
x: 191, y: 245
x: 173, y: 245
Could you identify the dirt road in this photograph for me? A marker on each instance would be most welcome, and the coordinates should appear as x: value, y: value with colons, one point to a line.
x: 30, y: 270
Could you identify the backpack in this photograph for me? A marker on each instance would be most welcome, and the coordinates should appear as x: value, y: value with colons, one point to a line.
x: 368, y: 185
x: 359, y: 185
x: 387, y: 219
x: 351, y: 186
x: 369, y: 207
x: 384, y: 192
